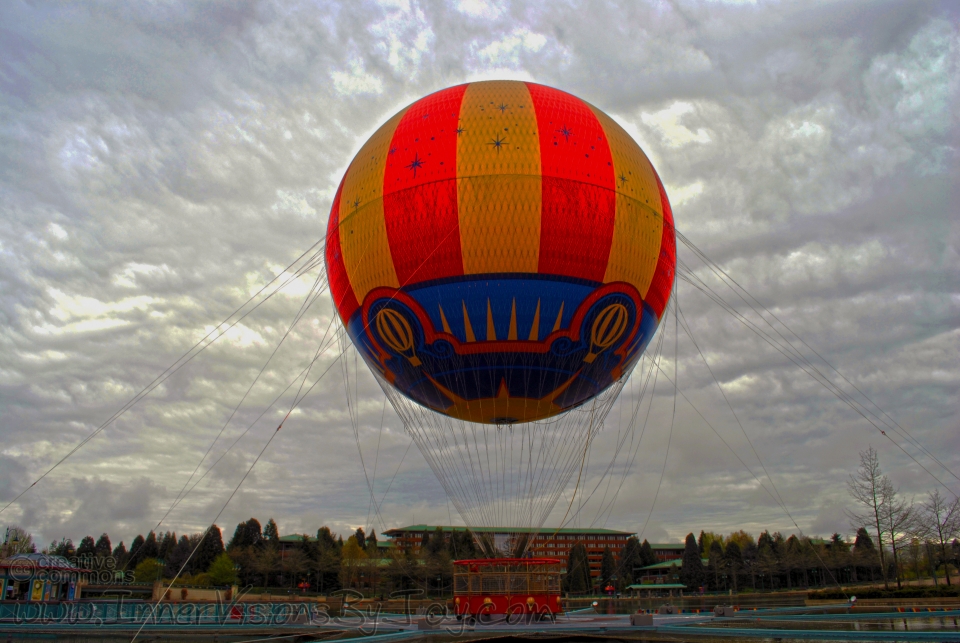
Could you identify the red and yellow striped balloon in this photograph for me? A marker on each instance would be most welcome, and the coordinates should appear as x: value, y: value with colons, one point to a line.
x: 488, y: 205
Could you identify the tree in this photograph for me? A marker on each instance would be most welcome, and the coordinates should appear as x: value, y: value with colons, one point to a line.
x: 271, y: 534
x: 150, y: 548
x: 647, y: 557
x: 629, y: 563
x: 869, y: 487
x: 210, y: 547
x: 222, y: 570
x: 120, y: 556
x: 351, y: 560
x: 87, y: 549
x: 608, y: 568
x: 361, y: 538
x: 578, y: 570
x: 167, y: 544
x: 136, y: 552
x: 733, y: 561
x: 17, y: 541
x: 177, y: 557
x: 63, y: 547
x: 691, y: 568
x: 267, y: 563
x: 716, y: 565
x: 147, y: 571
x: 899, y: 517
x: 102, y: 546
x: 939, y: 522
x: 247, y: 534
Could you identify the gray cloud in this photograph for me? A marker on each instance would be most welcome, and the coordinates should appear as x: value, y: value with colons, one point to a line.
x: 160, y: 163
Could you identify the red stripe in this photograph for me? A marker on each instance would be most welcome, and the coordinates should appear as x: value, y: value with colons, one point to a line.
x: 420, y: 190
x: 343, y: 297
x: 662, y: 284
x: 578, y: 199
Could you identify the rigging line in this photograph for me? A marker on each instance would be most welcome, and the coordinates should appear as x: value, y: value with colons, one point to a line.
x: 716, y: 269
x: 384, y: 496
x: 745, y: 466
x: 376, y: 462
x: 254, y: 423
x: 183, y: 496
x: 689, y: 332
x: 833, y: 388
x: 300, y: 314
x: 216, y: 518
x: 676, y: 366
x: 658, y: 353
x: 167, y: 373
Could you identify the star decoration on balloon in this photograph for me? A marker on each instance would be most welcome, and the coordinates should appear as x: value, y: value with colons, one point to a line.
x: 414, y: 164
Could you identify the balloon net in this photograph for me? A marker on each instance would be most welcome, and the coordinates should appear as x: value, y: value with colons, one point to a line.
x: 506, y: 475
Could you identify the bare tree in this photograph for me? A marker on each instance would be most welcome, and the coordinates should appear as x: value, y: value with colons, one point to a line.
x: 939, y: 521
x: 868, y: 487
x: 900, y: 518
x: 16, y: 541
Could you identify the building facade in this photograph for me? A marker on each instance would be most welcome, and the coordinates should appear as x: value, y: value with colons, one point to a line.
x: 548, y: 543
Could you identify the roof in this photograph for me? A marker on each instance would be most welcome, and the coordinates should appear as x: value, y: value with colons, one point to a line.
x: 667, y: 545
x: 673, y: 563
x: 509, y: 530
x: 39, y: 561
x: 661, y: 586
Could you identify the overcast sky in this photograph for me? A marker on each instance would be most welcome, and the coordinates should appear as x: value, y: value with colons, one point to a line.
x: 161, y: 162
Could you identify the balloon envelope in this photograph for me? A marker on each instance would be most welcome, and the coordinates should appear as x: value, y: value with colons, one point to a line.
x: 500, y: 252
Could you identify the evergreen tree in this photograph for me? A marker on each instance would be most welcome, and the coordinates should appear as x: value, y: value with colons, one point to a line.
x: 578, y: 570
x: 437, y: 543
x: 150, y: 547
x: 136, y: 552
x: 210, y: 547
x: 608, y: 568
x: 715, y: 566
x: 120, y: 556
x: 361, y: 538
x: 247, y: 534
x: 102, y: 547
x: 178, y: 556
x: 647, y: 557
x: 87, y: 549
x: 629, y: 563
x: 863, y: 542
x: 371, y: 546
x: 691, y: 569
x: 271, y: 534
x: 325, y: 538
x: 167, y: 543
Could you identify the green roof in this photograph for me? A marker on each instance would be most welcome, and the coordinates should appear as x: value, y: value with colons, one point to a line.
x: 667, y: 545
x: 670, y: 563
x: 661, y: 586
x: 511, y: 530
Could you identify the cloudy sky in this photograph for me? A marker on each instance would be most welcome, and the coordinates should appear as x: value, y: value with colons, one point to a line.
x: 161, y: 162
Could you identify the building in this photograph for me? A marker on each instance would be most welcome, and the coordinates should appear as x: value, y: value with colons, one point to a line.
x: 547, y: 543
x: 666, y: 552
x: 39, y: 577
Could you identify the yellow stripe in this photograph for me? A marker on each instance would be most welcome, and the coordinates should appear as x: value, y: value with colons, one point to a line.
x: 499, y: 187
x: 363, y: 231
x: 638, y: 226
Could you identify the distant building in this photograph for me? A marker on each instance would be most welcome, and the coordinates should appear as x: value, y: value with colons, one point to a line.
x: 546, y: 543
x: 667, y: 551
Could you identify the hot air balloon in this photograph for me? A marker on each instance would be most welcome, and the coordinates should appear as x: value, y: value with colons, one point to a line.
x: 501, y: 254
